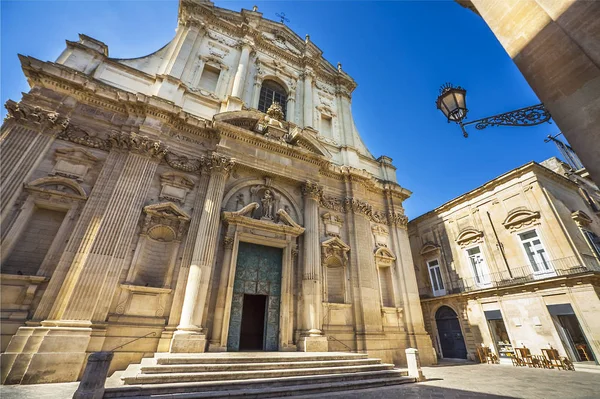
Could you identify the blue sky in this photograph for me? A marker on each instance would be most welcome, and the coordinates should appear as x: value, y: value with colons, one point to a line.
x: 399, y: 53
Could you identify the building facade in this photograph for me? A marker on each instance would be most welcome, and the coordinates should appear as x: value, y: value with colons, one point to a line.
x: 513, y: 263
x: 212, y: 196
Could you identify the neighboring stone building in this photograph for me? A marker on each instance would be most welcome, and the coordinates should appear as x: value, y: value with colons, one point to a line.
x: 556, y: 46
x: 179, y: 196
x: 514, y: 262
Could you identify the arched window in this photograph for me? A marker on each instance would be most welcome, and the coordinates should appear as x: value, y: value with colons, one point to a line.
x: 271, y: 92
x: 335, y: 280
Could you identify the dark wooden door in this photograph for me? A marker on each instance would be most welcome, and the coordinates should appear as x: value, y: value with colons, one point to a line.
x: 451, y: 338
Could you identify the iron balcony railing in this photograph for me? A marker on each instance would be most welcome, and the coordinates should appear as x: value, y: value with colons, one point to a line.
x: 522, y: 275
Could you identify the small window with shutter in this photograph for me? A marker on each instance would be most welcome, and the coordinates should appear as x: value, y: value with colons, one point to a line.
x: 209, y: 78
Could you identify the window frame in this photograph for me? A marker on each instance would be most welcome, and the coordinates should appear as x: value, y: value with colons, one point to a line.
x: 538, y: 236
x: 440, y: 291
x: 595, y: 248
x: 212, y: 67
x: 284, y: 95
x: 485, y: 278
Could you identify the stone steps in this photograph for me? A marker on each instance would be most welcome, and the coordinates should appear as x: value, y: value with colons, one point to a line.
x: 199, y: 368
x: 252, y: 375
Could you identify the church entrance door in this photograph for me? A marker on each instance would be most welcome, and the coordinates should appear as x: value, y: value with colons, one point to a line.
x: 254, y: 320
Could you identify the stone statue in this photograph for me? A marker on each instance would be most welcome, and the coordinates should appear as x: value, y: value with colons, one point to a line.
x: 267, y: 205
x: 239, y: 202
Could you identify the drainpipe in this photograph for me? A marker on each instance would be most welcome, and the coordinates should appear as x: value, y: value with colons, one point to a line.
x: 499, y: 244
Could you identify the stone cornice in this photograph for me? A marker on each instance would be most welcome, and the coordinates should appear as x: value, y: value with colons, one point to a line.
x: 488, y: 187
x: 91, y: 91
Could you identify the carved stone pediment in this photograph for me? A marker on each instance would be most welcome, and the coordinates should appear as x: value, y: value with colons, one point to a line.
x: 335, y: 247
x: 384, y: 257
x: 57, y: 186
x: 581, y: 218
x: 164, y: 222
x: 520, y: 217
x: 469, y: 236
x: 429, y: 247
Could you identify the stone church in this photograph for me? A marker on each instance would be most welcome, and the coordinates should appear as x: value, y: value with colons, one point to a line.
x: 212, y: 196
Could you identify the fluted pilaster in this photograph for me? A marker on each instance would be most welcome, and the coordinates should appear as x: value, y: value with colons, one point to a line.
x: 222, y: 293
x: 308, y: 99
x: 93, y: 276
x: 311, y: 274
x: 205, y: 246
x: 242, y: 69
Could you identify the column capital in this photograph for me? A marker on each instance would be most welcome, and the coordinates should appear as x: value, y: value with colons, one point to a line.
x: 312, y: 190
x: 44, y: 120
x: 217, y: 163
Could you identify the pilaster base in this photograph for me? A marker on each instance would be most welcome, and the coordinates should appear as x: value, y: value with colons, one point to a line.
x: 216, y: 347
x: 188, y: 342
x: 313, y: 344
x: 37, y: 355
x: 234, y: 104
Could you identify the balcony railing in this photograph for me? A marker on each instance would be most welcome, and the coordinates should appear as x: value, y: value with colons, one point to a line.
x: 525, y: 274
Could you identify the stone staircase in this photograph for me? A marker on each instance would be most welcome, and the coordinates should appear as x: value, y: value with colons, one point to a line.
x: 251, y: 375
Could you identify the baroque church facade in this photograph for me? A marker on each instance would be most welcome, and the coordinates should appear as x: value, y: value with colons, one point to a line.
x: 212, y: 196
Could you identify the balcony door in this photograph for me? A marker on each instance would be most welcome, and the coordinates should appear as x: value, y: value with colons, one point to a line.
x: 435, y: 275
x: 479, y: 268
x: 536, y: 253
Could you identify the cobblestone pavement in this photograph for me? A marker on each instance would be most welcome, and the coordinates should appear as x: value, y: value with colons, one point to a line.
x: 446, y: 381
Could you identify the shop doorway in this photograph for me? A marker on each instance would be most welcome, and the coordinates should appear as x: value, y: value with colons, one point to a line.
x: 570, y: 333
x: 253, y: 322
x: 451, y: 338
x: 500, y: 337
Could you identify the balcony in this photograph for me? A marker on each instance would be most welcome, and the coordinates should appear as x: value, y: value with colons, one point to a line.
x: 522, y: 275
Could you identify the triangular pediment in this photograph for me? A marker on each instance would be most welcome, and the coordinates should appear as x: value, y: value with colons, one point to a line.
x: 336, y: 242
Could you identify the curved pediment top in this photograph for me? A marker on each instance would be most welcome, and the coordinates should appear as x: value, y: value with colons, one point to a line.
x: 59, y: 185
x: 581, y: 218
x: 429, y: 246
x: 469, y: 236
x: 520, y: 217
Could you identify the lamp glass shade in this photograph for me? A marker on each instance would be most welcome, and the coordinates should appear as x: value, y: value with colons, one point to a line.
x: 452, y: 103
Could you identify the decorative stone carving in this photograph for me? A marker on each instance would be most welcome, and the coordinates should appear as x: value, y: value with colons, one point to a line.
x: 397, y: 219
x: 168, y: 215
x: 175, y: 186
x: 518, y: 218
x: 181, y: 162
x: 77, y: 135
x: 380, y: 234
x: 429, y: 247
x: 218, y: 163
x: 581, y: 218
x: 333, y: 224
x: 228, y: 242
x: 73, y: 163
x: 384, y: 257
x: 267, y: 202
x: 357, y: 206
x: 334, y: 247
x: 312, y: 190
x: 56, y: 188
x: 47, y: 120
x: 469, y: 236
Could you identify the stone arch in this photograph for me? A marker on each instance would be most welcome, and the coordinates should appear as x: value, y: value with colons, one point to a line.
x: 520, y: 217
x: 249, y: 182
x: 469, y: 236
x: 450, y: 332
x: 285, y: 85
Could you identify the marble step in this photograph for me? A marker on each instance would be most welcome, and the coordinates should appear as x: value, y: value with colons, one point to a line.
x: 257, y: 357
x: 263, y: 387
x: 242, y: 375
x: 197, y: 368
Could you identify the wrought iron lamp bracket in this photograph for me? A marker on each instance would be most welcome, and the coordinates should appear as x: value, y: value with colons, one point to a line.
x: 528, y: 116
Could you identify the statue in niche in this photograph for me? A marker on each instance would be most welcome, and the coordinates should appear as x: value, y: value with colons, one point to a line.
x: 268, y: 203
x: 239, y: 202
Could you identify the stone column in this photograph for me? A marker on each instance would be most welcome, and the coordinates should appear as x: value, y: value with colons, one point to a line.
x: 313, y: 340
x: 291, y: 107
x: 215, y: 338
x: 235, y: 100
x: 308, y: 98
x: 256, y: 92
x: 190, y: 336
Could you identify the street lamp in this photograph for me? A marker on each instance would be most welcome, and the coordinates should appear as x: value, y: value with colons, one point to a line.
x: 453, y: 104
